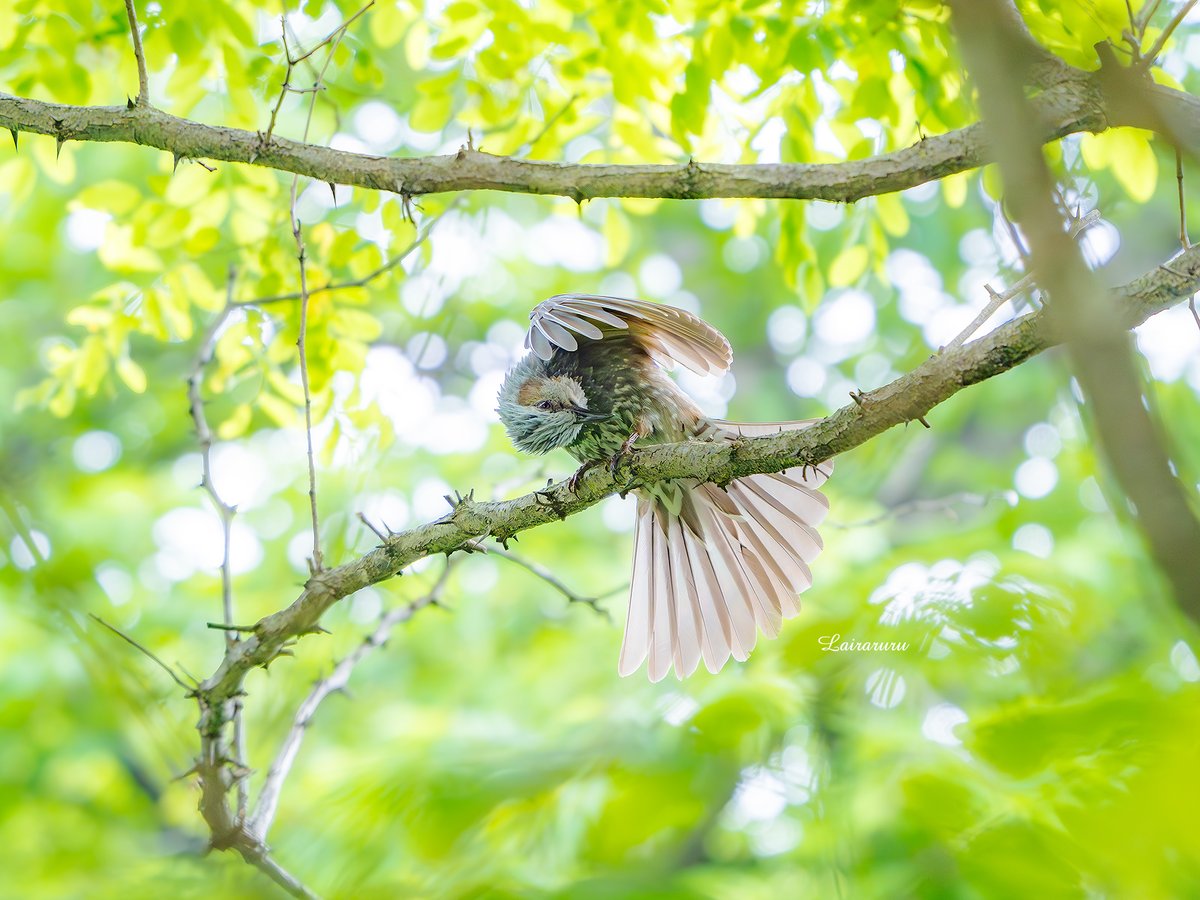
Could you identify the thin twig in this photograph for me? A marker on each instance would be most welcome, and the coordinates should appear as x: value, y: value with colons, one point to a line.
x: 225, y: 511
x: 366, y: 279
x: 549, y: 123
x: 549, y: 577
x: 1183, y: 229
x: 941, y: 504
x: 333, y: 40
x: 1148, y: 13
x: 143, y: 97
x: 268, y: 798
x: 259, y: 857
x: 190, y: 688
x: 13, y: 513
x: 995, y: 300
x: 1149, y: 58
x: 334, y: 37
x: 302, y: 350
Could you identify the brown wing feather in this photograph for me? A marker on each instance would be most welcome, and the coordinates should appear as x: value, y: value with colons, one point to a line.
x: 670, y: 335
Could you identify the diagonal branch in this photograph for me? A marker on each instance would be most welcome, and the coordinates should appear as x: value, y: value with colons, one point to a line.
x: 551, y: 579
x: 268, y: 798
x: 904, y: 400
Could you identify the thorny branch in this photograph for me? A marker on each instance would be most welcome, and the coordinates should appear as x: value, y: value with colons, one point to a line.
x: 903, y: 400
x: 1072, y: 105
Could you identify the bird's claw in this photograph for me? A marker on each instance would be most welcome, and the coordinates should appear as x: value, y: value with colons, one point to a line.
x: 573, y: 481
x: 546, y: 498
x: 626, y: 452
x: 614, y: 461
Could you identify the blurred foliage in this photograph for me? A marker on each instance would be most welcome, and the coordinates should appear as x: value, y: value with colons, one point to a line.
x: 1038, y: 735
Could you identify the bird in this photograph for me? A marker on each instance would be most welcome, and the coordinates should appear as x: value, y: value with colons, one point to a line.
x: 712, y: 566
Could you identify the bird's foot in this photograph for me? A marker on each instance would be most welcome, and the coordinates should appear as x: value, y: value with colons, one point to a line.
x: 547, y: 498
x: 573, y: 481
x: 626, y: 452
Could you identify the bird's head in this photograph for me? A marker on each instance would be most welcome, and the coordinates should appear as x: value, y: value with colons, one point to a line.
x: 542, y: 413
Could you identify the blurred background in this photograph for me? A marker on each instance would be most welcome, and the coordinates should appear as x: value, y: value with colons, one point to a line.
x: 1037, y: 738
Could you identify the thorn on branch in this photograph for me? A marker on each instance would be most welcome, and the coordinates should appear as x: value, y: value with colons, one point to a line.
x: 379, y: 534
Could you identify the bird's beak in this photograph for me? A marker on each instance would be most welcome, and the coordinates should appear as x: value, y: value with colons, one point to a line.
x: 584, y: 416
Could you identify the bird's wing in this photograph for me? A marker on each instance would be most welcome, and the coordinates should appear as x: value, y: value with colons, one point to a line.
x: 668, y: 334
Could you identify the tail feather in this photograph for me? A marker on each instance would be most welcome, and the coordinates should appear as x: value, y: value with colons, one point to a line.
x: 733, y: 584
x: 638, y: 627
x: 663, y: 641
x: 689, y: 630
x: 713, y: 567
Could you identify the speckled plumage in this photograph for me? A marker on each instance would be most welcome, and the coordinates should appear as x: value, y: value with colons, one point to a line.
x: 712, y: 566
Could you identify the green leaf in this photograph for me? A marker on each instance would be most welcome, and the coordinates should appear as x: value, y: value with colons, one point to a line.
x: 132, y: 374
x: 848, y: 266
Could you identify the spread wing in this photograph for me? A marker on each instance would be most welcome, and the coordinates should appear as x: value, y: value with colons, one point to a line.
x: 668, y: 334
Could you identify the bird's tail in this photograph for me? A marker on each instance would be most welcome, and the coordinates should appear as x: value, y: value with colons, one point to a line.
x: 713, y: 566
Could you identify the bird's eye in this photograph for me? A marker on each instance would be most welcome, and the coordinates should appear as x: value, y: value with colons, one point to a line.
x: 545, y: 404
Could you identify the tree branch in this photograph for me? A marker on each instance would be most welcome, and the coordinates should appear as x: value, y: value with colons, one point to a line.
x: 1088, y: 315
x: 1062, y: 109
x: 904, y: 400
x: 268, y: 798
x: 550, y: 578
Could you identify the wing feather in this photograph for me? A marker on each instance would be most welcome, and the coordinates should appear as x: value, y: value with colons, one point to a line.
x: 671, y: 335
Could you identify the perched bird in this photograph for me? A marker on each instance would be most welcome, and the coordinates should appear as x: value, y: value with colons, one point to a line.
x: 711, y: 566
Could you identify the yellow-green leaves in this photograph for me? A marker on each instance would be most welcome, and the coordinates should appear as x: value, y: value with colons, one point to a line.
x: 848, y: 266
x: 1128, y: 154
